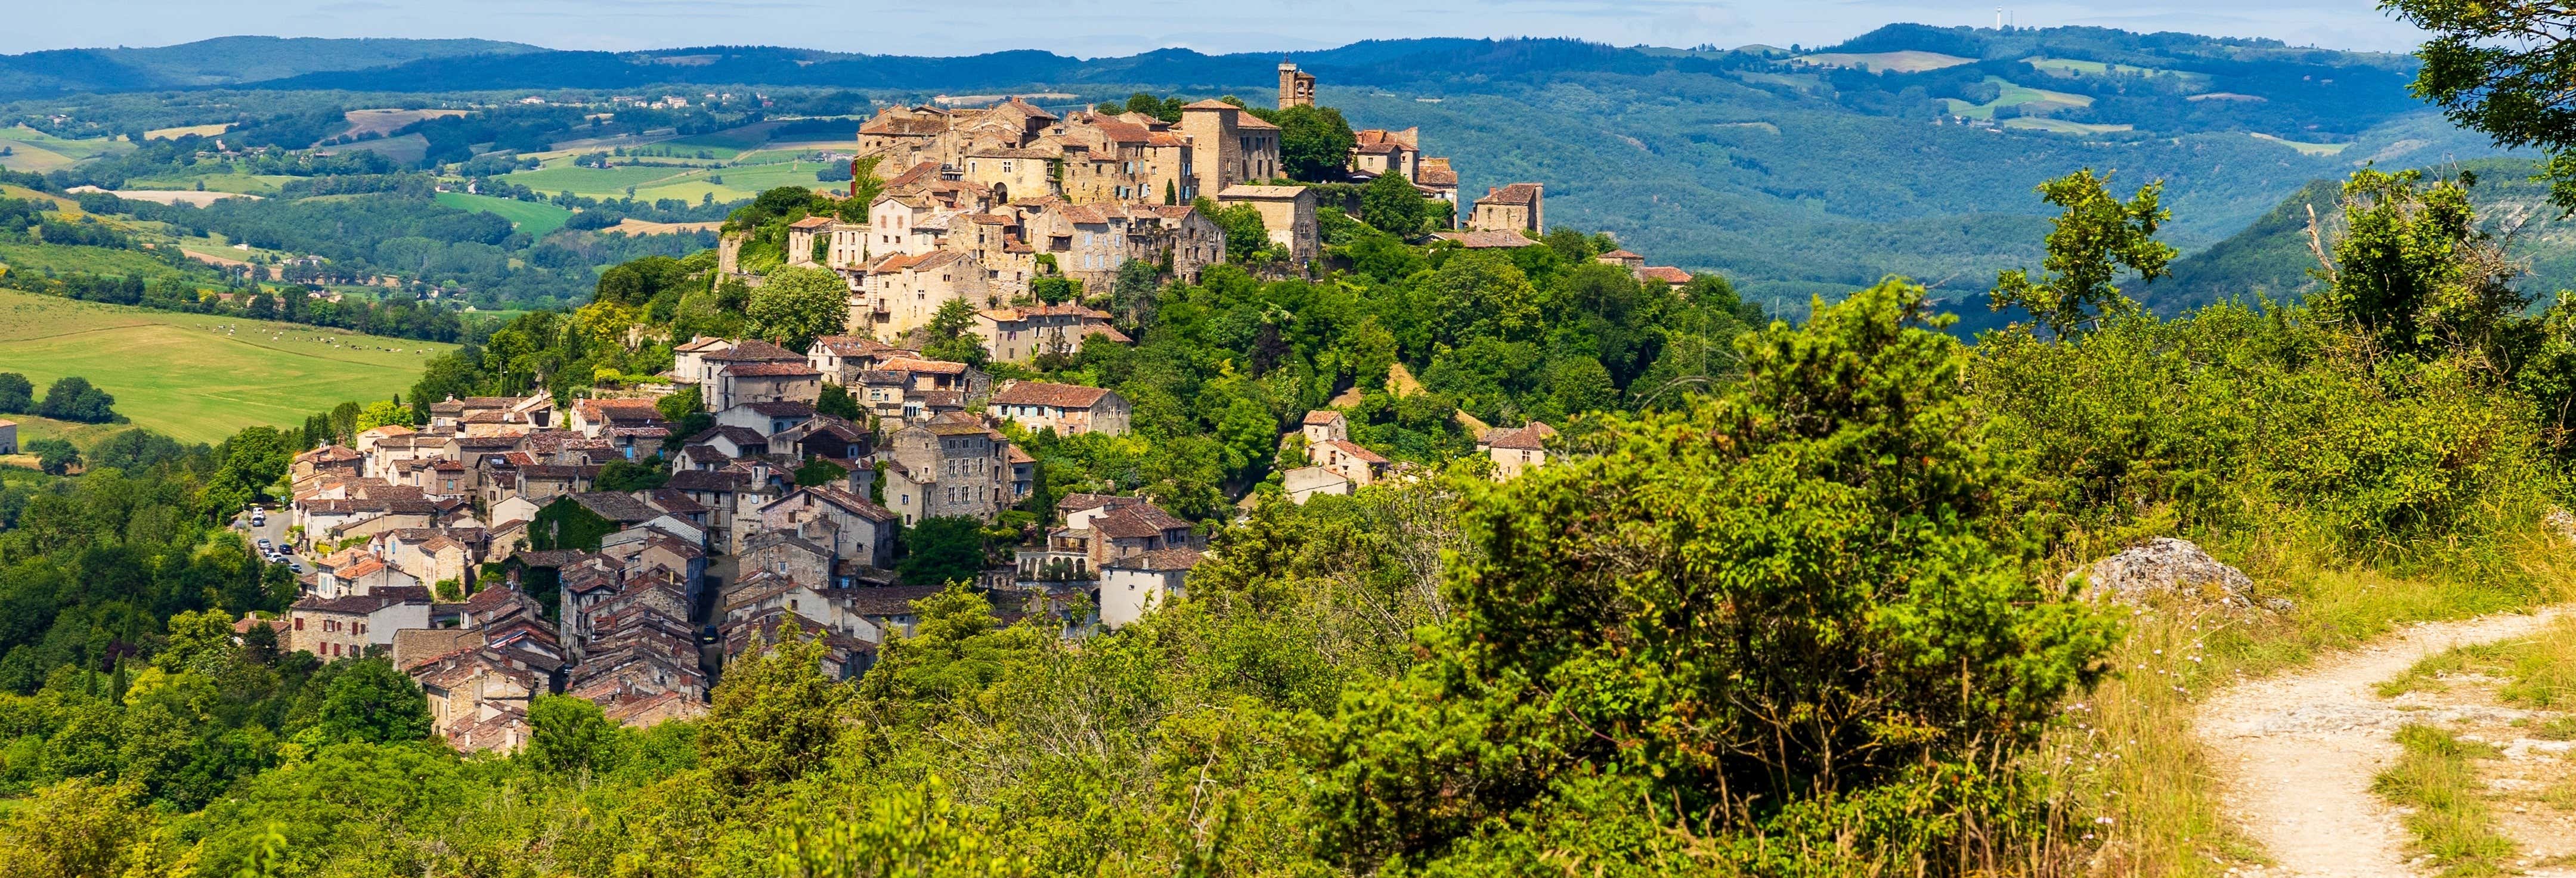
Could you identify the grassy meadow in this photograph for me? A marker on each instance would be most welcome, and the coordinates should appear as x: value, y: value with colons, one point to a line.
x: 531, y: 217
x: 198, y: 378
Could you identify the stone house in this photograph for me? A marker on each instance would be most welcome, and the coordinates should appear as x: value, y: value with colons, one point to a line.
x: 785, y: 554
x: 767, y: 418
x: 740, y: 383
x: 1067, y: 409
x: 1287, y: 213
x: 902, y: 292
x: 1348, y: 460
x: 1515, y: 451
x: 1517, y: 207
x: 1012, y: 172
x: 346, y: 627
x: 1229, y: 146
x: 1324, y: 425
x: 952, y: 465
x: 1022, y: 334
x: 593, y: 417
x: 1132, y: 586
x: 847, y: 524
x: 842, y: 357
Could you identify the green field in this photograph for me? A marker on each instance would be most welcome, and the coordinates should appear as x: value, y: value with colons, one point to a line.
x: 687, y: 184
x: 2304, y: 147
x: 22, y: 137
x: 2014, y: 96
x: 535, y: 218
x: 2072, y: 67
x: 2062, y: 126
x: 264, y: 185
x: 62, y: 259
x: 197, y: 377
x: 1877, y: 62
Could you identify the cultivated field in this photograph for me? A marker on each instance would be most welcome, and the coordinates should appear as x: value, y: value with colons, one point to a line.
x: 33, y: 150
x: 2304, y: 146
x: 2031, y: 100
x: 185, y: 130
x: 1877, y: 62
x: 386, y: 121
x: 2062, y: 126
x: 196, y: 377
x: 534, y: 218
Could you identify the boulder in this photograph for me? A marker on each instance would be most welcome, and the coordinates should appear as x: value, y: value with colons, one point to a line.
x: 2165, y: 565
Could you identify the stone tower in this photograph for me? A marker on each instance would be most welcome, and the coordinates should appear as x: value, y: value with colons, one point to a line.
x: 1295, y: 89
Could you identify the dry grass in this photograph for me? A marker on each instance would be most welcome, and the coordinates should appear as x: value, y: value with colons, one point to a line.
x: 2127, y: 762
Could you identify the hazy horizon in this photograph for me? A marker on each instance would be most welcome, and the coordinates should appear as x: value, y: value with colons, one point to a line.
x: 1124, y: 28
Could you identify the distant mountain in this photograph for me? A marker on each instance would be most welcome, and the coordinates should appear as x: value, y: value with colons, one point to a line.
x: 1910, y: 149
x: 222, y: 61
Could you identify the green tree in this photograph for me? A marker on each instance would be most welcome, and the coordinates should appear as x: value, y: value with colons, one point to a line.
x: 2412, y: 272
x: 837, y: 401
x: 942, y: 549
x: 72, y: 398
x: 798, y: 303
x: 956, y: 651
x: 1394, y: 206
x: 820, y: 472
x: 382, y: 413
x: 54, y: 456
x: 201, y: 641
x: 76, y: 827
x: 1816, y: 599
x: 628, y: 475
x: 681, y: 404
x: 569, y: 734
x: 949, y: 335
x: 918, y: 832
x: 17, y: 394
x: 2505, y: 69
x: 369, y: 701
x: 1314, y: 143
x: 775, y: 717
x: 1245, y: 235
x: 2096, y: 237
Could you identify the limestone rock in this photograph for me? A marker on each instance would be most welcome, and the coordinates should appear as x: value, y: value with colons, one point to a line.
x: 2167, y: 565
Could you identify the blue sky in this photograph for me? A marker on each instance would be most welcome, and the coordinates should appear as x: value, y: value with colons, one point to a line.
x: 1119, y: 27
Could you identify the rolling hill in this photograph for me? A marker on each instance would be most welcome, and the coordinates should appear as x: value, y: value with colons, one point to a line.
x: 1909, y: 149
x: 198, y: 378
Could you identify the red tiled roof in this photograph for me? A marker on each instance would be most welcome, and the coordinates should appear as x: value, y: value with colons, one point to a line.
x: 1517, y: 193
x: 1665, y: 273
x: 1070, y: 396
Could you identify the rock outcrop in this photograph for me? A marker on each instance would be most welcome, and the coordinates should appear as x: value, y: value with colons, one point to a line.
x: 2165, y: 565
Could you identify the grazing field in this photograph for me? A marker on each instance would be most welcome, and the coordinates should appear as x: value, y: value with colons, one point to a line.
x: 386, y: 121
x: 64, y: 259
x: 633, y: 226
x: 2305, y: 147
x: 1901, y: 62
x: 185, y: 130
x: 246, y: 184
x: 406, y: 149
x: 2062, y: 126
x: 536, y: 219
x: 197, y: 377
x: 30, y: 157
x: 2031, y: 100
x: 688, y: 184
x: 2073, y: 67
x: 168, y: 196
x: 21, y: 137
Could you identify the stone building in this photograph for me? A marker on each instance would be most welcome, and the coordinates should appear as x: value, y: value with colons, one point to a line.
x: 1296, y: 88
x: 951, y: 465
x: 1517, y: 207
x: 1229, y: 146
x: 1022, y: 334
x: 1287, y: 213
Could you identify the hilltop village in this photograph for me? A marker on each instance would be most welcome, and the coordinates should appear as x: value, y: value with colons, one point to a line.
x: 499, y: 552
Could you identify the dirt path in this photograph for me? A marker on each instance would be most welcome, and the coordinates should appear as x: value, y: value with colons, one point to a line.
x: 2296, y: 753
